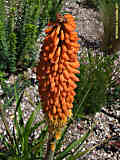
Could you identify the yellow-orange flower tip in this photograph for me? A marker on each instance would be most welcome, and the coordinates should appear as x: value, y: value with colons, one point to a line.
x: 58, y: 135
x: 52, y: 145
x: 70, y: 113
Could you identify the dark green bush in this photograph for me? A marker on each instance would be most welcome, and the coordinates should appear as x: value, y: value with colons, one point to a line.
x: 95, y: 78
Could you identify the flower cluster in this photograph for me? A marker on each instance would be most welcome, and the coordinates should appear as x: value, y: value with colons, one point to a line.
x: 57, y: 68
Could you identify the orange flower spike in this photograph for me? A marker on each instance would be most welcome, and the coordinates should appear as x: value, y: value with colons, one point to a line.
x: 64, y: 118
x: 60, y: 88
x: 67, y: 37
x: 56, y: 41
x: 60, y: 113
x: 68, y: 27
x: 59, y: 110
x: 72, y: 93
x: 64, y: 94
x: 53, y: 34
x: 55, y: 67
x: 69, y: 19
x: 62, y: 35
x: 46, y: 48
x: 77, y: 45
x: 68, y: 16
x: 56, y: 101
x: 60, y: 68
x: 62, y: 100
x: 49, y: 29
x: 48, y: 70
x: 53, y: 85
x: 75, y: 34
x: 72, y: 84
x: 46, y: 109
x: 74, y: 78
x: 68, y: 43
x: 71, y: 98
x: 65, y: 56
x: 64, y: 48
x: 54, y: 110
x: 70, y: 52
x: 69, y: 105
x: 51, y: 101
x: 66, y: 74
x: 64, y: 108
x: 56, y: 89
x: 51, y: 54
x: 58, y: 52
x: 56, y: 71
x: 74, y: 38
x: 50, y: 116
x: 56, y: 56
x: 58, y: 29
x: 73, y: 64
x: 62, y: 78
x: 72, y: 70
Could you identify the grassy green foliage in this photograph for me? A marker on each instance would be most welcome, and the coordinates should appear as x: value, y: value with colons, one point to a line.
x: 21, y: 23
x: 21, y: 146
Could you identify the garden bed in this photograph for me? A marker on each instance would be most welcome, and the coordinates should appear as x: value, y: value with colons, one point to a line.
x: 107, y: 121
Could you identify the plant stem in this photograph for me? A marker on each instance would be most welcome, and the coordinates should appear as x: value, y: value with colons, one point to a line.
x: 117, y: 19
x: 50, y: 153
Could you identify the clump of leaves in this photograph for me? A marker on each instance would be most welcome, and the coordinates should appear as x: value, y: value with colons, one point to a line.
x: 95, y: 77
x: 20, y: 142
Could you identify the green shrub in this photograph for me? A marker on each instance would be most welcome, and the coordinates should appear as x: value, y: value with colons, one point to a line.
x: 95, y: 78
x: 21, y: 23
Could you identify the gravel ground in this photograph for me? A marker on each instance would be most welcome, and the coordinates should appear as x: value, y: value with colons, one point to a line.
x: 89, y: 29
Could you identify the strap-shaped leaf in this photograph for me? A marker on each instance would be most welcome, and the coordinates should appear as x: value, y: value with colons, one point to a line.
x: 79, y: 107
x: 28, y: 126
x: 40, y: 141
x: 74, y: 144
x: 36, y: 126
x: 80, y: 154
x: 7, y: 129
x: 19, y: 124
